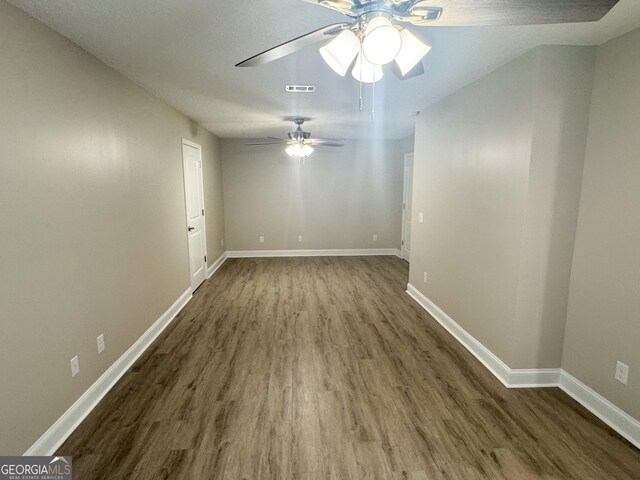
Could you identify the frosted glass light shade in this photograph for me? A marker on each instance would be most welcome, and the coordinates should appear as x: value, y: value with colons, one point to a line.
x: 298, y: 150
x: 382, y: 41
x: 340, y: 52
x: 292, y: 150
x: 365, y: 71
x: 412, y: 51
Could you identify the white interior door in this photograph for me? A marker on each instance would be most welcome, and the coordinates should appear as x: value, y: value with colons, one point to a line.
x: 194, y: 196
x: 406, y: 207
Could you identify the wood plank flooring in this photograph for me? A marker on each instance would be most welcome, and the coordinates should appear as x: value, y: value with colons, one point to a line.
x: 324, y: 368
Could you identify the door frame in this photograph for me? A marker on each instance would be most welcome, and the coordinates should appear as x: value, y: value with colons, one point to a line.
x: 404, y: 206
x: 198, y: 147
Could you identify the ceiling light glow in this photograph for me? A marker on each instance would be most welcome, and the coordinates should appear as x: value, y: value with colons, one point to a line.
x: 292, y: 150
x: 306, y: 150
x: 382, y: 41
x: 366, y: 72
x: 379, y: 43
x: 299, y: 150
x: 341, y: 51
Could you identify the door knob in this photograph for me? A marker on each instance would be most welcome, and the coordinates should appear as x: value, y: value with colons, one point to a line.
x: 190, y: 229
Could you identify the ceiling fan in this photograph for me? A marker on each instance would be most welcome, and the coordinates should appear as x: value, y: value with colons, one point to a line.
x: 300, y: 143
x: 372, y: 36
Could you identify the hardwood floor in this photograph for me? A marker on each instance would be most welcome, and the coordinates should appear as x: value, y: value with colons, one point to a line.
x: 324, y: 368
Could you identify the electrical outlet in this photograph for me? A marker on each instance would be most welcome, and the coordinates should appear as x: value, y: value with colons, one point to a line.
x: 375, y: 238
x: 261, y: 239
x: 420, y: 217
x: 75, y: 366
x: 100, y: 341
x: 424, y: 277
x: 222, y: 242
x: 299, y: 238
x: 622, y: 372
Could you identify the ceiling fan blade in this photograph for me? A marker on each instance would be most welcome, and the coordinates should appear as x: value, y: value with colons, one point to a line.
x: 262, y: 144
x: 515, y: 12
x: 269, y: 141
x: 294, y: 45
x: 342, y: 6
x: 327, y: 142
x: 414, y: 72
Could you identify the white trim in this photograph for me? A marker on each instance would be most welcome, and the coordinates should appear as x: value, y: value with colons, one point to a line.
x: 191, y: 143
x: 313, y: 253
x: 51, y: 440
x: 602, y: 408
x: 403, y: 251
x: 534, y: 377
x: 216, y: 265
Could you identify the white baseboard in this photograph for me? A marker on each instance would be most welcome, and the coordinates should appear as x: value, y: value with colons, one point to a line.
x: 216, y: 265
x: 620, y: 421
x: 313, y: 253
x: 613, y: 416
x: 534, y: 377
x: 51, y: 440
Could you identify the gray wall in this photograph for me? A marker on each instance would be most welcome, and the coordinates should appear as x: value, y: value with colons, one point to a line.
x: 603, y: 324
x: 497, y: 175
x: 93, y: 219
x: 562, y: 97
x: 338, y: 199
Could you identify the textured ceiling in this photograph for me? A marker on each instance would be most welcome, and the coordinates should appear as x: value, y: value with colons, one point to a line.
x: 185, y: 51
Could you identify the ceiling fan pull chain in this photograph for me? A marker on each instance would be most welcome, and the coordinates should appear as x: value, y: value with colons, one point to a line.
x: 360, y: 102
x: 373, y: 103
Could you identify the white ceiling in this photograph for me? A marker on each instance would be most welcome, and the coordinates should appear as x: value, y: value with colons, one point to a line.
x: 185, y: 51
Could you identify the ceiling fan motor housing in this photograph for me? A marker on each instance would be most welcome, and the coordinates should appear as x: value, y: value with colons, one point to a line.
x: 299, y: 135
x: 412, y: 11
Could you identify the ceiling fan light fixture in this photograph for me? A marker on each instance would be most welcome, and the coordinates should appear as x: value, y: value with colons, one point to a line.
x: 366, y: 72
x: 340, y: 52
x: 299, y: 150
x: 381, y: 42
x: 292, y: 150
x: 412, y: 51
x: 306, y: 150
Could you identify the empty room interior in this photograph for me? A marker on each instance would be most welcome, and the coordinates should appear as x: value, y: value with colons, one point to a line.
x: 320, y: 239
